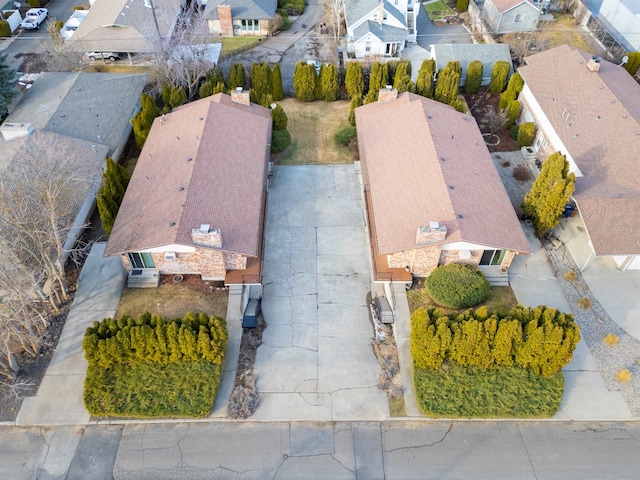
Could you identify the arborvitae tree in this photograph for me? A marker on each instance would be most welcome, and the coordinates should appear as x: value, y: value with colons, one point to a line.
x: 462, y: 5
x: 279, y: 117
x: 7, y: 82
x: 392, y: 67
x: 215, y: 75
x: 355, y: 103
x: 319, y: 94
x: 219, y: 88
x: 260, y: 82
x: 515, y: 84
x: 424, y: 82
x: 505, y: 98
x: 143, y: 119
x: 172, y: 97
x: 330, y: 83
x: 237, y: 76
x: 633, y: 62
x: 499, y: 76
x: 513, y: 110
x: 474, y: 77
x: 304, y: 82
x: 377, y: 81
x: 354, y: 80
x: 448, y: 83
x: 5, y: 28
x: 402, y: 81
x: 276, y: 83
x: 526, y: 133
x: 549, y: 194
x: 114, y: 184
x: 371, y: 97
x: 206, y: 89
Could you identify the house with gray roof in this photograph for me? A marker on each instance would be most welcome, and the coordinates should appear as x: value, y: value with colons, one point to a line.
x: 620, y: 18
x: 487, y: 53
x: 196, y: 201
x: 380, y: 28
x: 433, y: 194
x: 505, y: 16
x: 133, y: 26
x: 590, y: 112
x: 229, y: 18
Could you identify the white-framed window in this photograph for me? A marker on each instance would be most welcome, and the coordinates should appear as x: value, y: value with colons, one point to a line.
x: 519, y: 18
x: 141, y: 260
x: 367, y: 47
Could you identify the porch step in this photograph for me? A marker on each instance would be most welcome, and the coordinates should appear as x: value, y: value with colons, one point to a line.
x: 235, y: 289
x: 496, y: 275
x: 143, y: 278
x: 498, y: 281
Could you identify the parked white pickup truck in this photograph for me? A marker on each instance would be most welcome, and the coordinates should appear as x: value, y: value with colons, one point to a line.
x: 33, y: 18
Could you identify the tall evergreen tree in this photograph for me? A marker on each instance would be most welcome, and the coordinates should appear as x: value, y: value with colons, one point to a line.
x: 354, y: 80
x: 378, y: 79
x: 7, y: 84
x: 277, y: 91
x: 143, y: 119
x: 402, y: 80
x: 114, y: 184
x: 279, y: 117
x: 319, y: 92
x: 448, y: 83
x: 304, y: 82
x: 549, y: 194
x: 237, y: 76
x: 474, y: 77
x: 633, y: 62
x: 260, y: 82
x: 330, y: 83
x: 499, y: 76
x: 424, y: 82
x: 355, y: 103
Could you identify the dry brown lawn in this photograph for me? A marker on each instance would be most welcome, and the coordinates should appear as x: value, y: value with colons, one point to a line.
x: 312, y: 126
x: 174, y: 300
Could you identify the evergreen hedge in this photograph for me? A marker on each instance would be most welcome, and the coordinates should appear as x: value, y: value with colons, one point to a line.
x: 424, y: 82
x: 115, y: 180
x: 143, y: 119
x: 540, y: 339
x: 277, y: 91
x: 526, y: 134
x: 474, y: 77
x: 280, y: 140
x: 152, y: 367
x: 448, y: 83
x: 330, y: 82
x: 354, y: 80
x: 457, y: 285
x: 402, y: 77
x: 237, y: 76
x: 5, y: 28
x: 279, y: 117
x: 516, y: 83
x: 304, y: 82
x: 355, y: 103
x: 513, y: 110
x: 499, y: 76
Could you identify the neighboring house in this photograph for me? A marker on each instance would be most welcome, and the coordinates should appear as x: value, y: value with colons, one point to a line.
x: 11, y: 14
x: 72, y: 23
x: 433, y: 194
x: 487, y: 53
x: 591, y: 113
x: 505, y: 16
x: 620, y: 18
x: 229, y: 18
x: 87, y: 114
x: 127, y: 25
x: 195, y: 203
x: 380, y: 27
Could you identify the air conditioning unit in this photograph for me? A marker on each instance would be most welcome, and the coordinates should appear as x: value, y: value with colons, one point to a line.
x: 170, y: 256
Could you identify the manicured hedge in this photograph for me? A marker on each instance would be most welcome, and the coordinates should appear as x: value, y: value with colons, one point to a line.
x: 540, y: 339
x: 457, y: 285
x: 152, y: 367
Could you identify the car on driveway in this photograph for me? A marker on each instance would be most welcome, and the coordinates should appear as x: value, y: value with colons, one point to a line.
x: 113, y: 56
x: 33, y: 18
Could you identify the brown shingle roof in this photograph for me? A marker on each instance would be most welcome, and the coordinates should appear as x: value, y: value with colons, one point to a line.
x: 204, y: 163
x: 423, y: 162
x: 597, y: 117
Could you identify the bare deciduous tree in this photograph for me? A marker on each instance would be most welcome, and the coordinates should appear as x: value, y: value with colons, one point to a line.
x: 336, y: 11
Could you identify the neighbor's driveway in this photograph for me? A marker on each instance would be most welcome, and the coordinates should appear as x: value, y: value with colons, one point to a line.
x: 316, y: 361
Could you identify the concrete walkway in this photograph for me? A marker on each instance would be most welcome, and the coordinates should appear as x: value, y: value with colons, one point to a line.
x: 59, y: 398
x: 316, y: 361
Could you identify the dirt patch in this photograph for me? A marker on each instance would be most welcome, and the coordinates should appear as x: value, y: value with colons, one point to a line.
x: 174, y: 300
x: 481, y: 105
x: 517, y: 176
x: 312, y: 126
x: 245, y: 397
x: 390, y: 381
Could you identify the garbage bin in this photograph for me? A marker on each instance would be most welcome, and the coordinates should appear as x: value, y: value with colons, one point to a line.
x: 250, y: 317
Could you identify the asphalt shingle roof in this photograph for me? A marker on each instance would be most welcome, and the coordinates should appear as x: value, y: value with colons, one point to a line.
x: 385, y: 33
x: 487, y: 53
x: 243, y: 9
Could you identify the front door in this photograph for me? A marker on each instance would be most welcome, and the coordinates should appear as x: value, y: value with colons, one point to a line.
x: 141, y: 260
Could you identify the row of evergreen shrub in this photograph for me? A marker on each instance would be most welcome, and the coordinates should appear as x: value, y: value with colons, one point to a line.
x: 129, y: 341
x: 540, y: 338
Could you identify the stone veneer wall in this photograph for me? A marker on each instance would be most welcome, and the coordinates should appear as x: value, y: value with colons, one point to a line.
x: 453, y: 256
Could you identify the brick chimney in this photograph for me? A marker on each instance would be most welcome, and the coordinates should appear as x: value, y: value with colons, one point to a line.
x: 594, y: 64
x: 241, y: 96
x: 387, y: 94
x: 433, y: 233
x: 207, y: 237
x: 226, y: 21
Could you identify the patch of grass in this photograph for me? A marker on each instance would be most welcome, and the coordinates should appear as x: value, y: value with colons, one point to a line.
x: 501, y: 300
x: 506, y: 392
x: 397, y: 407
x: 611, y: 340
x: 312, y: 126
x: 172, y: 301
x: 149, y: 390
x: 438, y: 10
x: 233, y: 45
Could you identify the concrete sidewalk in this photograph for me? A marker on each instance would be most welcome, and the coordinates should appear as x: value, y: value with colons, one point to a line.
x: 59, y: 398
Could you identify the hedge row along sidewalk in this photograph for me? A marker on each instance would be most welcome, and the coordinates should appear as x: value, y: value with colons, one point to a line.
x: 150, y: 367
x: 506, y: 365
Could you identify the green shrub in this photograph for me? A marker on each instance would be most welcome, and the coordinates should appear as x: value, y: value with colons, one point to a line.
x: 34, y: 3
x: 378, y: 79
x: 172, y: 97
x: 276, y: 83
x: 280, y: 140
x: 81, y: 7
x: 402, y: 78
x: 474, y: 77
x: 294, y: 7
x: 280, y: 119
x: 5, y: 29
x: 462, y: 5
x: 513, y: 110
x: 237, y: 76
x: 354, y: 80
x: 516, y: 83
x: 345, y: 135
x: 143, y: 119
x: 304, y: 82
x: 260, y: 75
x: 633, y: 62
x: 526, y: 134
x: 448, y: 83
x: 330, y: 82
x: 355, y: 103
x: 457, y: 285
x: 114, y: 184
x: 506, y: 97
x: 424, y: 82
x: 499, y: 76
x: 286, y: 21
x: 514, y: 131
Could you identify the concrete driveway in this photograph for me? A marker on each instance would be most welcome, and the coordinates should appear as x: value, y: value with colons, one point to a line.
x: 429, y: 34
x: 316, y: 361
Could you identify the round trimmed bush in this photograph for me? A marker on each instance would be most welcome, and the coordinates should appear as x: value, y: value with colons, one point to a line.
x: 280, y: 140
x: 345, y: 135
x: 457, y: 286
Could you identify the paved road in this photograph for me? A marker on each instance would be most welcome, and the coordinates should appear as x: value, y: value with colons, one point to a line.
x: 360, y: 450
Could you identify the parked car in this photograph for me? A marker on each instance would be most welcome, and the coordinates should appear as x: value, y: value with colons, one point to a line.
x: 34, y: 17
x: 113, y: 56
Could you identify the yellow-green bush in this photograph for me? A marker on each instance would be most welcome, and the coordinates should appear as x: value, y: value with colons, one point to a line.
x: 457, y: 285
